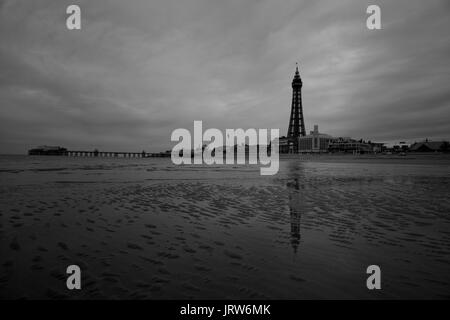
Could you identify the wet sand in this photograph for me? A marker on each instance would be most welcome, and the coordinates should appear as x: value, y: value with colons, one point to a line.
x: 146, y: 229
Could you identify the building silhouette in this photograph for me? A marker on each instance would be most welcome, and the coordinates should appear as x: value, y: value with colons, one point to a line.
x: 296, y: 121
x: 296, y: 129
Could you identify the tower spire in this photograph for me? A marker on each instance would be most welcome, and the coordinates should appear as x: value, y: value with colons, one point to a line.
x: 297, y: 74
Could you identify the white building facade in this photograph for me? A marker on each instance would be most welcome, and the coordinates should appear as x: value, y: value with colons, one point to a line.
x: 315, y: 142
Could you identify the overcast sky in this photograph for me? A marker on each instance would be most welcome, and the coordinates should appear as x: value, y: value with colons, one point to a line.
x: 139, y: 69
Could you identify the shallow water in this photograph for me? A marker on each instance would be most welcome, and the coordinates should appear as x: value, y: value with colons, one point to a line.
x: 144, y: 228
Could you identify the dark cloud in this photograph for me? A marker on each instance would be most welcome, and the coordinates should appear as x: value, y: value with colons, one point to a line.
x: 139, y: 69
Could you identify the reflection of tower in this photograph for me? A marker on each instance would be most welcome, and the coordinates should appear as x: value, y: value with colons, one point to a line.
x: 296, y: 121
x: 295, y: 207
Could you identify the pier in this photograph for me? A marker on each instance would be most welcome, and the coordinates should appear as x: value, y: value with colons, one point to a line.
x: 115, y: 154
x: 58, y: 151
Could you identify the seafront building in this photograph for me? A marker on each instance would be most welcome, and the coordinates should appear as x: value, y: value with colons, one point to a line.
x: 430, y: 146
x: 348, y: 145
x: 315, y: 142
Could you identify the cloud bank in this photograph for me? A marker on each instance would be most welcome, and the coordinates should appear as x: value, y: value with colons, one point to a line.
x: 140, y: 69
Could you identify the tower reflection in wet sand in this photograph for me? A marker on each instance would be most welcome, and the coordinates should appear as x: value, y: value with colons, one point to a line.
x: 297, y: 204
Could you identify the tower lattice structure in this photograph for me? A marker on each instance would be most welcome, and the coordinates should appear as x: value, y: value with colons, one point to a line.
x: 296, y: 122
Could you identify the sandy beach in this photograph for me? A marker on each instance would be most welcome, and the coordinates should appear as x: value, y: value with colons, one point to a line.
x: 147, y: 229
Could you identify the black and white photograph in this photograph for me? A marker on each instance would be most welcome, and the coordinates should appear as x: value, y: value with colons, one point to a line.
x: 224, y: 150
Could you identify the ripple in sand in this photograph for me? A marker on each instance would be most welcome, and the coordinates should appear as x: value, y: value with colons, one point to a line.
x: 232, y: 255
x: 62, y: 245
x: 134, y: 246
x: 296, y: 278
x: 14, y: 245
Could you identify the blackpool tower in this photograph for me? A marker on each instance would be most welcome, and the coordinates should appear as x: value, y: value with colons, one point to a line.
x: 296, y: 122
